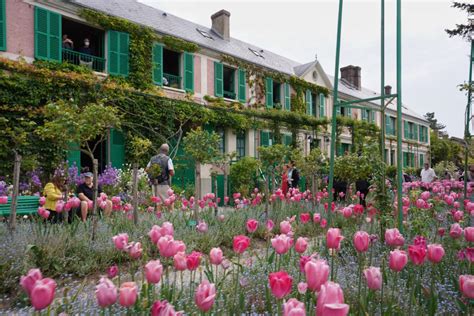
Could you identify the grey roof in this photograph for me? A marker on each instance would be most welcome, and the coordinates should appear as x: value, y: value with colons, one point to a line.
x: 172, y: 25
x: 301, y: 69
x: 169, y: 24
x: 365, y: 93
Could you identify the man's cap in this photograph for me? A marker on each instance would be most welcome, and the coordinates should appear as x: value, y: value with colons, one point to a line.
x: 88, y: 174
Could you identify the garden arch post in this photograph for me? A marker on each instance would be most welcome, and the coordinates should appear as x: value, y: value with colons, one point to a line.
x: 382, y: 99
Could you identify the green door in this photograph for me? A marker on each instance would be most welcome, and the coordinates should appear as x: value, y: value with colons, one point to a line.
x: 117, y: 148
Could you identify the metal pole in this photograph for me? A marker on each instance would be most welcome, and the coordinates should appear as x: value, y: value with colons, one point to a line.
x: 399, y: 116
x: 467, y: 134
x: 382, y: 88
x: 333, y: 119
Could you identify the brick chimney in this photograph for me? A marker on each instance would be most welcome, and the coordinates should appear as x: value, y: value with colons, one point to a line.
x: 388, y: 90
x: 220, y: 24
x: 351, y: 74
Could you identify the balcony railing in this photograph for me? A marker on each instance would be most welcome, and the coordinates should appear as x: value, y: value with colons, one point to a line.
x: 172, y: 81
x: 229, y: 95
x: 93, y: 62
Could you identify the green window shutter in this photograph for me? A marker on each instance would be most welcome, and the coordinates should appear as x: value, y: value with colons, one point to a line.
x: 372, y: 116
x: 322, y: 105
x: 387, y: 124
x: 117, y: 148
x: 338, y: 111
x: 113, y: 52
x: 242, y: 96
x: 240, y: 144
x: 269, y: 92
x: 158, y: 64
x: 426, y: 134
x: 287, y: 139
x: 48, y: 38
x: 124, y: 53
x: 188, y: 72
x: 421, y: 133
x: 349, y: 112
x: 406, y: 131
x: 218, y: 79
x: 3, y: 26
x: 415, y: 131
x: 309, y: 102
x: 264, y: 138
x: 405, y: 159
x: 364, y: 114
x: 74, y: 155
x: 118, y: 55
x: 422, y: 160
x: 287, y: 97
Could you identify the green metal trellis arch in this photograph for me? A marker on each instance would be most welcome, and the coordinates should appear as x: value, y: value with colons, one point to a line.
x: 383, y: 106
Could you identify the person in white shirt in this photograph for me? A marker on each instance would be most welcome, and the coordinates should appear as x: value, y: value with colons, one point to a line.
x: 427, y: 174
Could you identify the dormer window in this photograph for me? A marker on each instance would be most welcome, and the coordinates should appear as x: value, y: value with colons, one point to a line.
x: 205, y: 34
x: 256, y: 53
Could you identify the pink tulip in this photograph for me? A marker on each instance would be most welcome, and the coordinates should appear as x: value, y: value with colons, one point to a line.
x: 106, y: 293
x: 202, y: 227
x: 216, y: 256
x: 305, y: 217
x: 135, y: 250
x: 331, y: 293
x: 128, y: 294
x: 435, y: 253
x: 323, y: 223
x: 317, y: 272
x: 167, y: 246
x: 458, y: 216
x: 44, y: 213
x: 120, y: 241
x: 301, y: 244
x: 285, y: 227
x: 347, y: 212
x: 42, y: 293
x: 373, y: 277
x: 241, y: 243
x: 116, y: 200
x: 42, y: 200
x: 466, y: 285
x: 163, y: 308
x: 335, y: 309
x: 469, y: 234
x: 281, y: 243
x: 112, y: 271
x: 4, y: 199
x: 269, y: 225
x: 153, y: 271
x: 455, y: 231
x: 425, y: 195
x: 417, y: 254
x: 293, y: 307
x: 252, y: 225
x: 193, y: 260
x: 361, y: 241
x: 334, y: 238
x: 27, y: 282
x: 280, y: 283
x: 302, y: 287
x: 316, y: 218
x: 394, y: 238
x: 398, y: 260
x: 205, y: 296
x: 179, y: 261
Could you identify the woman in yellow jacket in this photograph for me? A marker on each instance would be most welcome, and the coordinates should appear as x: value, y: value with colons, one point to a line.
x: 53, y: 193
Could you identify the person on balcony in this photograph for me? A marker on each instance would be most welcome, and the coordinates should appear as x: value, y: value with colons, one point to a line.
x: 67, y: 42
x: 85, y: 59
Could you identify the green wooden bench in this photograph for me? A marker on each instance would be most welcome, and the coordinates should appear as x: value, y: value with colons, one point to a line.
x: 26, y: 205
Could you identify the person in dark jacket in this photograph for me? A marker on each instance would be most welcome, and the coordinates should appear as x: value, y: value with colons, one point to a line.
x: 293, y: 176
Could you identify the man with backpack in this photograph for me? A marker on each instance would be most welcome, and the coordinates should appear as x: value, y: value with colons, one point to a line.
x: 161, y: 180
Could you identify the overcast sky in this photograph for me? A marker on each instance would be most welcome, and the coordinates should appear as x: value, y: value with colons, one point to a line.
x: 433, y: 64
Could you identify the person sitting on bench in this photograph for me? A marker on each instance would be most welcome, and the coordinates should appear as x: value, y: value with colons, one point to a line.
x: 85, y: 192
x: 53, y: 193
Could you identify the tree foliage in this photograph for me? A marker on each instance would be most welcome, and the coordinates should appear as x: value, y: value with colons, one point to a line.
x: 243, y: 174
x: 202, y: 146
x: 463, y: 30
x: 444, y: 149
x: 434, y: 125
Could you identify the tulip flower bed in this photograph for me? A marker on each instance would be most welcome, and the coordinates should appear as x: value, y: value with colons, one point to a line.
x: 305, y: 257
